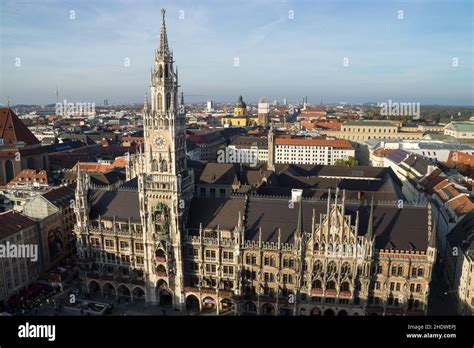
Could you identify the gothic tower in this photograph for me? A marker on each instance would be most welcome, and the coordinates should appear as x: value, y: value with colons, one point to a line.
x: 165, y: 184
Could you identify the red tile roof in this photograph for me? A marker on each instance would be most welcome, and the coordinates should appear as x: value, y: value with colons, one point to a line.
x: 30, y: 175
x: 381, y: 152
x: 462, y: 205
x: 461, y: 157
x: 12, y: 129
x: 120, y: 162
x: 93, y: 167
x: 308, y: 125
x: 329, y: 125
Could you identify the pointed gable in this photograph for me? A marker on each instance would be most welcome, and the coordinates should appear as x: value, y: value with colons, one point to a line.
x: 13, y: 130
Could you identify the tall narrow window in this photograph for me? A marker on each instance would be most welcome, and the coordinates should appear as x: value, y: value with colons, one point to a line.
x: 160, y: 102
x: 168, y: 101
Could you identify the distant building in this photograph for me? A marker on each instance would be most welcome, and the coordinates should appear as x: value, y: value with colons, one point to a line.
x: 309, y: 151
x: 460, y: 130
x: 209, y: 107
x: 289, y: 150
x: 263, y: 112
x: 240, y: 118
x: 361, y: 131
x: 434, y: 150
x: 208, y: 143
x: 251, y: 148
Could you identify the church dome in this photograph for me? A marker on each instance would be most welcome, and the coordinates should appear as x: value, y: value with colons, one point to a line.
x: 240, y: 103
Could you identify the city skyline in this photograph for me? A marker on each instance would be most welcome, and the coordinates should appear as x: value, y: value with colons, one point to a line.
x: 404, y: 56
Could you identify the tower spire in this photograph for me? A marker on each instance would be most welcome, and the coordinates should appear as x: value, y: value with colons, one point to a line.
x: 163, y: 37
x: 299, y: 225
x: 371, y: 220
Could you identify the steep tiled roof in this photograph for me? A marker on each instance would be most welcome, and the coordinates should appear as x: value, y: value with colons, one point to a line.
x: 222, y: 212
x: 30, y: 176
x: 218, y: 173
x: 12, y: 129
x: 59, y: 196
x: 462, y: 205
x: 419, y: 163
x: 401, y: 229
x: 12, y: 222
x: 121, y: 204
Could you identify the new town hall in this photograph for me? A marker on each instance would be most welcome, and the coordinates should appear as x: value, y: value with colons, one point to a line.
x: 271, y: 239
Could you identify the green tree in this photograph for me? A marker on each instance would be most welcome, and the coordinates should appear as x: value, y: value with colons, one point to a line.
x: 350, y: 162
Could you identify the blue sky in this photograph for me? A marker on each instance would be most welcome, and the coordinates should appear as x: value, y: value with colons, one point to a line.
x: 409, y: 59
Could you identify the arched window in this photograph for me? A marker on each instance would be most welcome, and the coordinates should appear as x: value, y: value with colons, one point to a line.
x: 292, y: 263
x: 154, y: 165
x: 346, y: 268
x: 317, y: 284
x: 317, y: 267
x: 421, y: 271
x: 266, y: 261
x: 345, y: 286
x: 168, y: 101
x: 331, y: 285
x: 272, y: 261
x: 160, y: 102
x: 160, y: 72
x: 331, y: 267
x: 167, y: 71
x: 160, y: 269
x: 164, y: 166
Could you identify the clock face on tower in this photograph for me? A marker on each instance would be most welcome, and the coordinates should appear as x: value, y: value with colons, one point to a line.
x: 159, y: 141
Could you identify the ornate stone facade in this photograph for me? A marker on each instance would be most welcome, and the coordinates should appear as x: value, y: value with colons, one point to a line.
x: 275, y: 239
